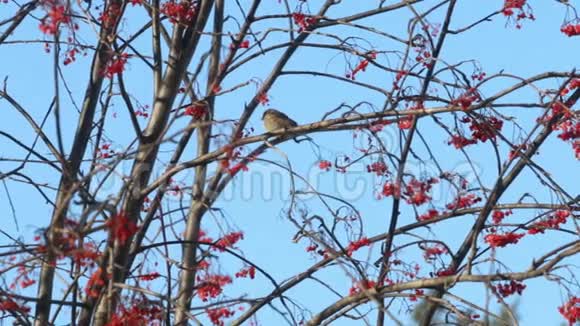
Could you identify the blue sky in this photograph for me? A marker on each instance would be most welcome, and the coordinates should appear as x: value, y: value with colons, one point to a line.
x: 539, y: 46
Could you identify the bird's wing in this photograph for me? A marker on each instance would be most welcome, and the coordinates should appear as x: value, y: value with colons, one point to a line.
x: 282, y: 115
x: 290, y: 121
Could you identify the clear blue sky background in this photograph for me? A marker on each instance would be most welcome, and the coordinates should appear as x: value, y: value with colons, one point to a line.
x: 257, y: 207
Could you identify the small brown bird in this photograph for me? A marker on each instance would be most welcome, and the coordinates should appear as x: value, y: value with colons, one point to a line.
x: 274, y: 120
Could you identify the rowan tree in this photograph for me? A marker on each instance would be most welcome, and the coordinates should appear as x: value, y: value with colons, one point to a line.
x: 426, y: 169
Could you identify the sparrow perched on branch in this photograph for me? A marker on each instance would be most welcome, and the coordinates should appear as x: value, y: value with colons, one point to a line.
x: 274, y: 120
